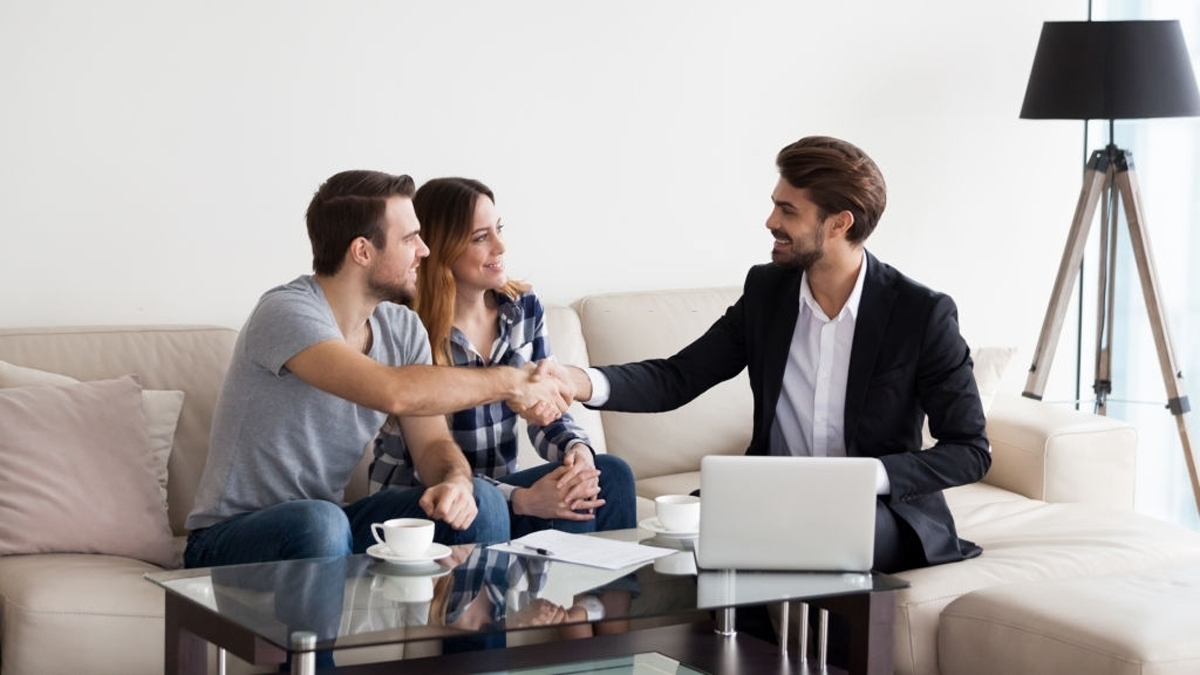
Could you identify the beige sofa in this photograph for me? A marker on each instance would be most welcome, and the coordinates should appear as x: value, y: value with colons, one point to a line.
x: 1056, y: 506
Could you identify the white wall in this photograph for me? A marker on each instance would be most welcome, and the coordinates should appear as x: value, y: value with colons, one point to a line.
x: 156, y: 157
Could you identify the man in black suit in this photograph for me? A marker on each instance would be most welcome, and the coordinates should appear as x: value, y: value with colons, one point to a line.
x: 846, y: 355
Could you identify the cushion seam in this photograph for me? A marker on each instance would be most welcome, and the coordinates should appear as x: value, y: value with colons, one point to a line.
x: 1054, y: 638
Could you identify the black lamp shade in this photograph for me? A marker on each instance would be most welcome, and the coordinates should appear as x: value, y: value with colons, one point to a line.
x: 1111, y: 70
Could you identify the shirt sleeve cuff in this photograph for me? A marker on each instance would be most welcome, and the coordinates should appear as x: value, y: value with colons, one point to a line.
x: 600, y: 387
x: 883, y: 486
x: 572, y: 444
x: 505, y: 489
x: 593, y: 606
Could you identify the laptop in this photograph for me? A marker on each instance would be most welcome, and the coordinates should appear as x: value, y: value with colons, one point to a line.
x: 812, y: 514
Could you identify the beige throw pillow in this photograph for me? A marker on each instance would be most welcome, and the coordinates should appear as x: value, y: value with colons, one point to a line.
x: 161, y: 408
x: 76, y: 474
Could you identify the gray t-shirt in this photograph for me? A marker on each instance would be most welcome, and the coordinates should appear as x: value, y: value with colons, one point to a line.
x: 276, y: 438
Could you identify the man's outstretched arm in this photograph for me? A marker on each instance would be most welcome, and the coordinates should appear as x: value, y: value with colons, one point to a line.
x: 335, y: 367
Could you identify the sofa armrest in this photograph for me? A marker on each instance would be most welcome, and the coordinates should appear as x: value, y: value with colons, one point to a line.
x: 1058, y: 454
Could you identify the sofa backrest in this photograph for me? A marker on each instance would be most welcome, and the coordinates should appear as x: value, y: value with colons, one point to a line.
x: 601, y: 329
x: 624, y: 327
x: 192, y: 359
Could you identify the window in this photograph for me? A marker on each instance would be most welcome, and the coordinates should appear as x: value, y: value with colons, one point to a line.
x: 1166, y: 156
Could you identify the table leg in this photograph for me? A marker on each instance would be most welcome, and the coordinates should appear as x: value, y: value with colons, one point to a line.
x: 784, y: 607
x: 823, y: 638
x: 185, y: 652
x: 727, y: 622
x: 871, y: 617
x: 304, y: 659
x: 189, y: 630
x: 803, y: 646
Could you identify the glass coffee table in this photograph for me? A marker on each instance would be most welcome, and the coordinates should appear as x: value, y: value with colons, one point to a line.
x: 475, y: 599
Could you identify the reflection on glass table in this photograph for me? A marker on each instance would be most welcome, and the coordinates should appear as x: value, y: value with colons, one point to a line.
x: 358, y: 600
x: 472, y: 598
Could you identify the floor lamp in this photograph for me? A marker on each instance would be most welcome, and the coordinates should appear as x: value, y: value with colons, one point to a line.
x: 1111, y: 70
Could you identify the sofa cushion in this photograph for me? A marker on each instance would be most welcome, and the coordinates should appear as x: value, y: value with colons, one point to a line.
x: 1135, y: 623
x: 989, y: 366
x: 76, y: 473
x: 73, y: 613
x: 1027, y: 540
x: 191, y: 359
x: 160, y: 407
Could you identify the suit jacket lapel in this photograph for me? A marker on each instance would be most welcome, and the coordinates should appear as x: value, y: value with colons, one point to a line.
x: 874, y: 312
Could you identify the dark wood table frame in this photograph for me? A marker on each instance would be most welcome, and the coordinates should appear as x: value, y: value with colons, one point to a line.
x: 190, y: 627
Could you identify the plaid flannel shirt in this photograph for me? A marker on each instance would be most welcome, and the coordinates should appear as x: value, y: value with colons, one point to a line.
x: 487, y: 434
x: 507, y: 579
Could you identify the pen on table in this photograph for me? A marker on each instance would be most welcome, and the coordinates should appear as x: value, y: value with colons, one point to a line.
x: 535, y: 549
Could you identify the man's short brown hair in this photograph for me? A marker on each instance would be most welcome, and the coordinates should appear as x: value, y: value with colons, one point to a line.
x: 349, y: 205
x: 839, y: 177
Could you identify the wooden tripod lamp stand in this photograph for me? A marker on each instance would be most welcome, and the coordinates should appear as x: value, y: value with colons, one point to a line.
x: 1111, y: 70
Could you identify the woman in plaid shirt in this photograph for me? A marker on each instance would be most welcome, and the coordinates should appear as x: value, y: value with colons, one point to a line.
x: 476, y: 316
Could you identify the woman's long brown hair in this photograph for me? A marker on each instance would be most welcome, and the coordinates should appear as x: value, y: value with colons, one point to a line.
x: 446, y: 209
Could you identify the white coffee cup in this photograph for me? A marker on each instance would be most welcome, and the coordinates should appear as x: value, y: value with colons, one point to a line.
x: 678, y: 513
x: 404, y: 588
x: 405, y: 537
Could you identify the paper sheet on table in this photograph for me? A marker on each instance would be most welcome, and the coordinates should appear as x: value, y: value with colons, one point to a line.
x: 583, y: 549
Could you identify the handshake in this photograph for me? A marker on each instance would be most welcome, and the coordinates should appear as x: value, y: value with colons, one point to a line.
x: 544, y: 390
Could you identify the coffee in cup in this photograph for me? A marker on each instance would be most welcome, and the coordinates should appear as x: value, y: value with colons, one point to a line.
x: 678, y: 513
x: 405, y: 537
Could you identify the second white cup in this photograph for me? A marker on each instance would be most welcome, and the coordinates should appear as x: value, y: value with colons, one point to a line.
x: 678, y: 513
x: 406, y: 537
x: 404, y: 589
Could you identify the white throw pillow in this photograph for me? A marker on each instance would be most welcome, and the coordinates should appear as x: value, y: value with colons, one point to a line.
x: 161, y: 408
x: 76, y: 474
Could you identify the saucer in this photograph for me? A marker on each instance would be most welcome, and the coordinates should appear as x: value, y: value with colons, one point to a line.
x: 423, y: 569
x: 656, y: 527
x: 434, y: 552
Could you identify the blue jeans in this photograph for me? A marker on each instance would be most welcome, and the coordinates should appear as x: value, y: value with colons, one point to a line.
x: 310, y: 528
x: 616, y: 488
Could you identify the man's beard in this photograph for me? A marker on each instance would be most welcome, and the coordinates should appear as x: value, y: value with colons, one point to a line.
x: 400, y: 294
x: 803, y: 260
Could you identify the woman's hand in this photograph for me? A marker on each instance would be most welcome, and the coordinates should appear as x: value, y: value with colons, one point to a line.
x: 539, y: 612
x: 580, y: 486
x: 545, y: 499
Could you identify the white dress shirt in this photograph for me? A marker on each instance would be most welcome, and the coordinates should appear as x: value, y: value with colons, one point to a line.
x: 810, y: 415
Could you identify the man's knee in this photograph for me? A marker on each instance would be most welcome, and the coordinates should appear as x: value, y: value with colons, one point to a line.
x: 288, y: 531
x: 491, y: 523
x: 316, y: 529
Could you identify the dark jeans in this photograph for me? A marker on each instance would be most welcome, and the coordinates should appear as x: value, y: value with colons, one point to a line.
x: 309, y: 528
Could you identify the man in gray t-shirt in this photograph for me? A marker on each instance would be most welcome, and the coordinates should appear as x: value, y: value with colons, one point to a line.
x: 317, y: 368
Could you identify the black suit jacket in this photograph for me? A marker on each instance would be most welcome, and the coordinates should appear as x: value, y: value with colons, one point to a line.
x: 908, y: 360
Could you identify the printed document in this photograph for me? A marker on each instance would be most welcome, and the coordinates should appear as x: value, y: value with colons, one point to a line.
x: 583, y: 549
